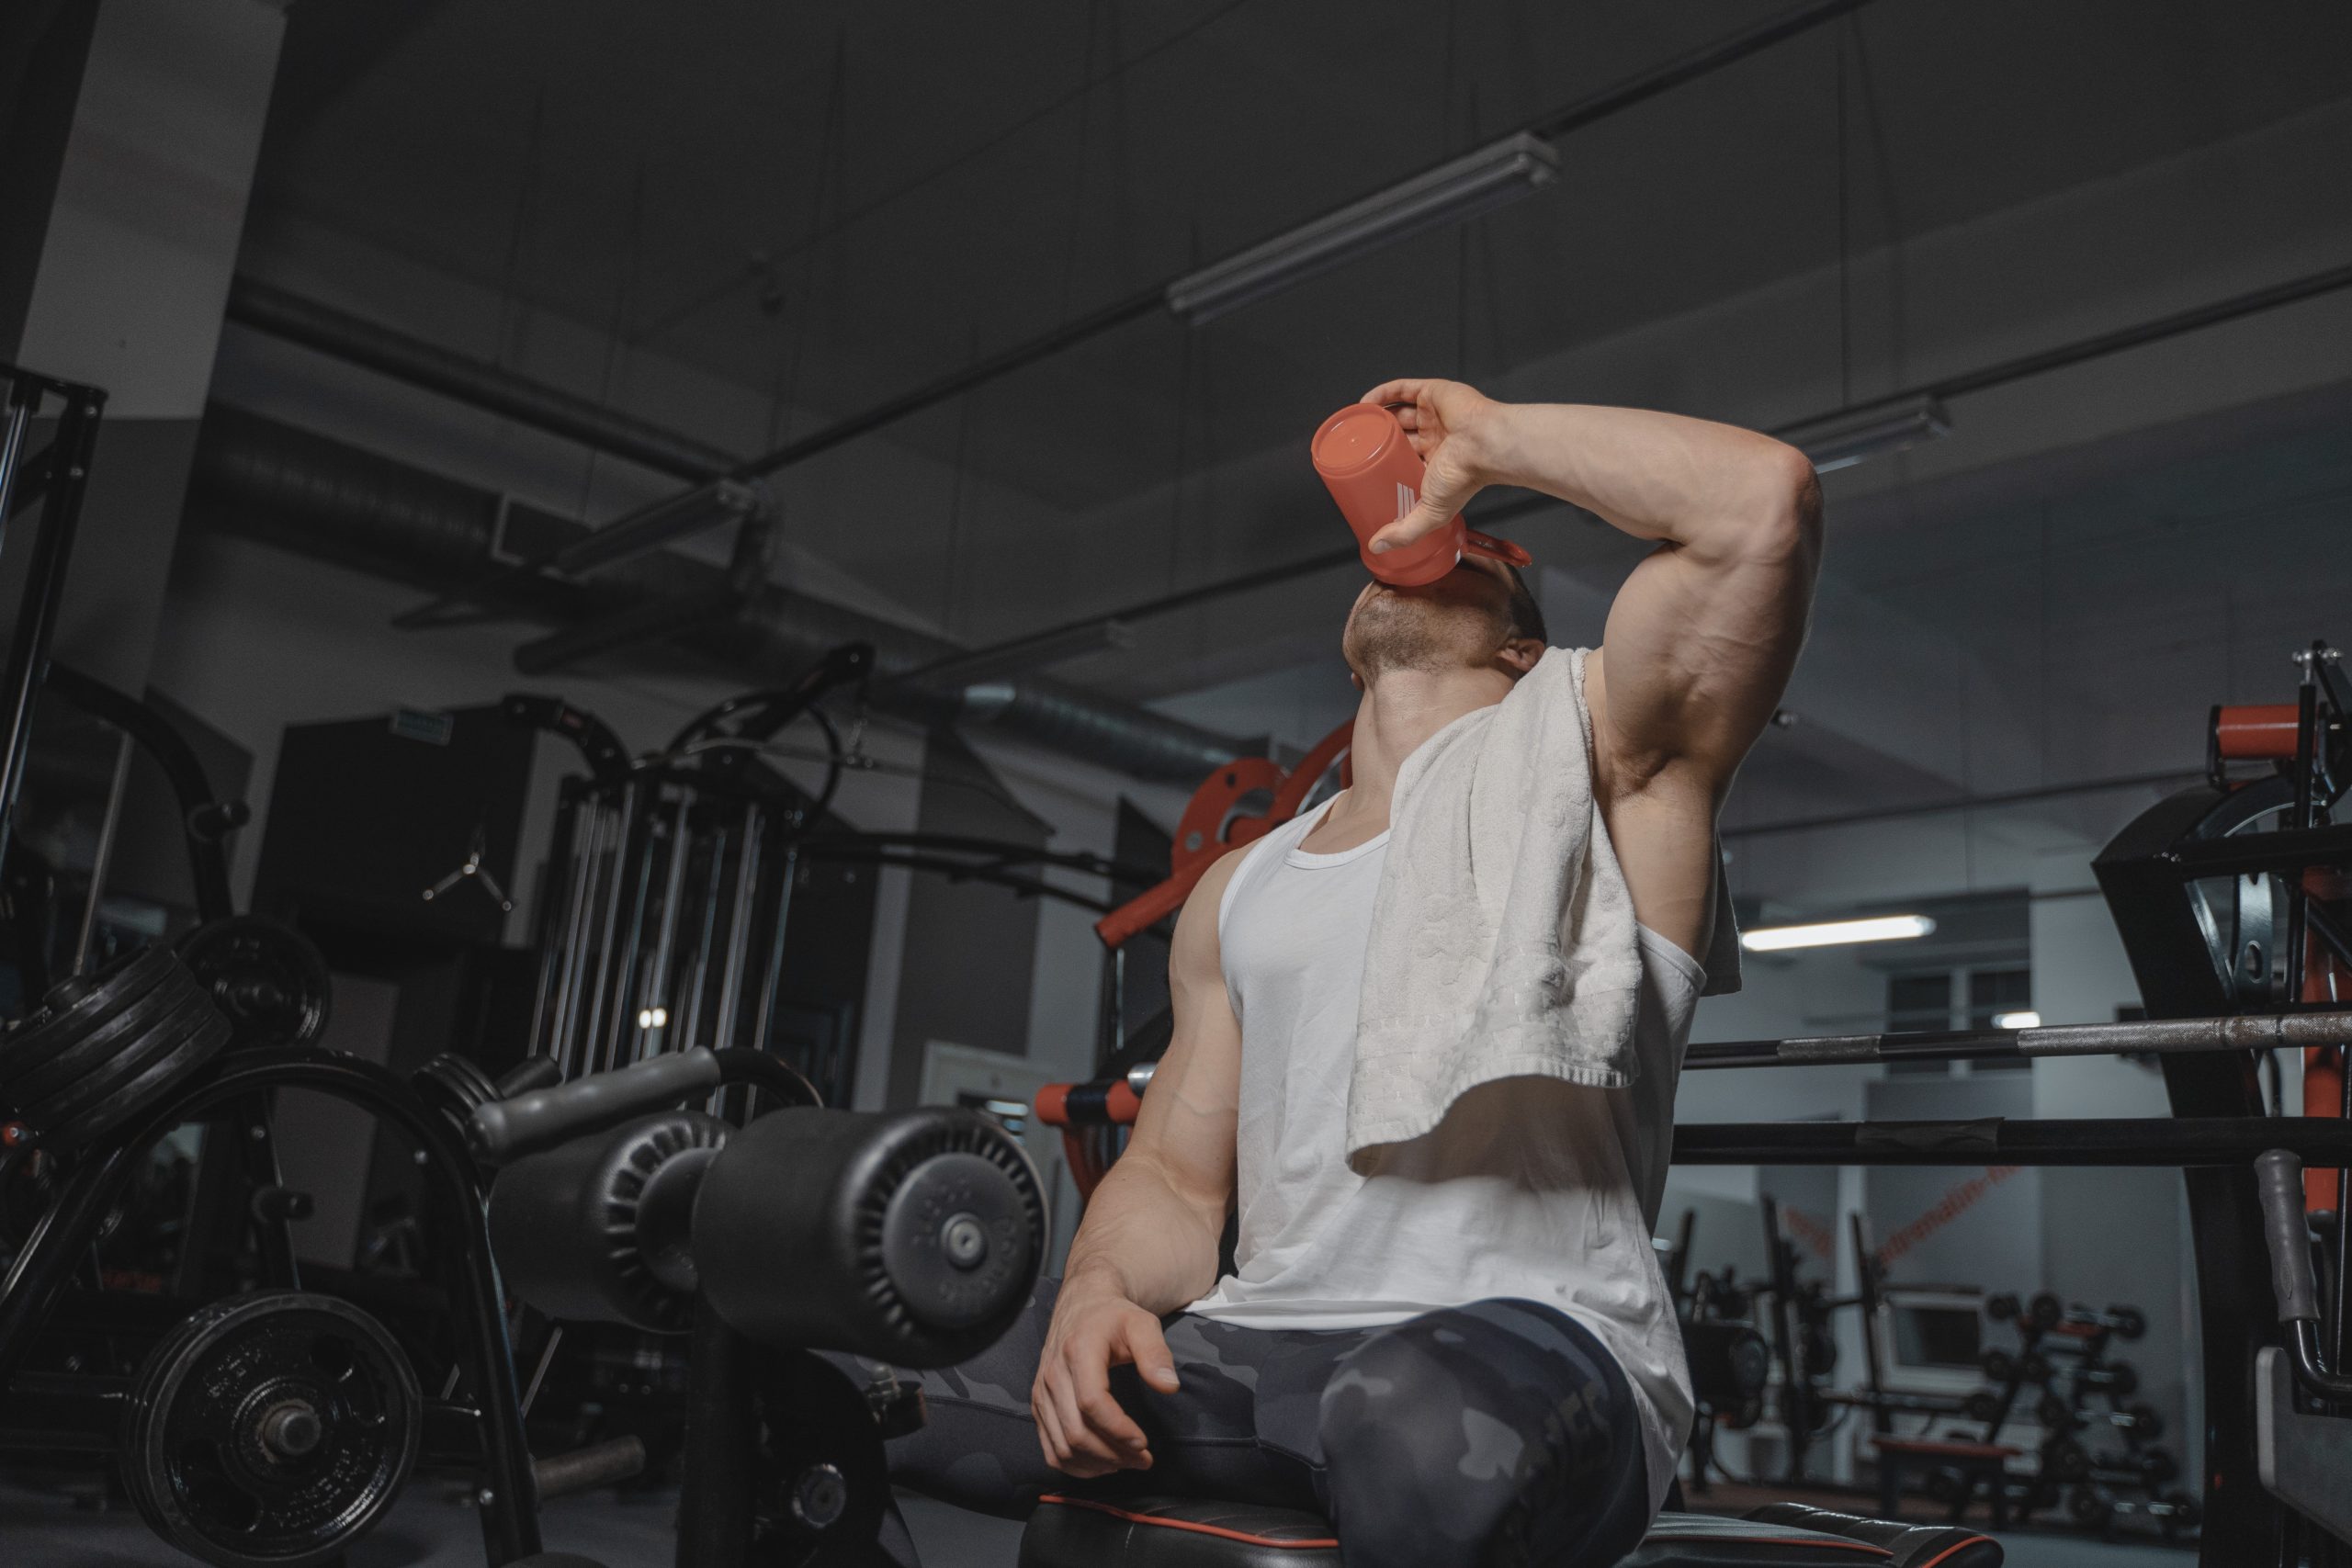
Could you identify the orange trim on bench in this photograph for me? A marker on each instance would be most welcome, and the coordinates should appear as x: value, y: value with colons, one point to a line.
x: 1955, y: 1548
x: 1166, y: 1523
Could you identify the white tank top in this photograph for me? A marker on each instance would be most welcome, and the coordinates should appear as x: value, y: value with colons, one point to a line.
x: 1531, y: 1187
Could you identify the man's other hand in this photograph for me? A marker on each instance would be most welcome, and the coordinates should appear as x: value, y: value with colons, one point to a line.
x: 1083, y: 1429
x: 1452, y: 427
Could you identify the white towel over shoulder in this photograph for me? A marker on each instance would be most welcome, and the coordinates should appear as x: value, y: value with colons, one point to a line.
x: 1503, y: 938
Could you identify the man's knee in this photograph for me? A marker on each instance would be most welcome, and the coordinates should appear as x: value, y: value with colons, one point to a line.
x: 1448, y: 1439
x: 1405, y: 1412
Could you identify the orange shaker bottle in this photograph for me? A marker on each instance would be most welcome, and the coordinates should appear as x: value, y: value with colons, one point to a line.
x: 1372, y: 470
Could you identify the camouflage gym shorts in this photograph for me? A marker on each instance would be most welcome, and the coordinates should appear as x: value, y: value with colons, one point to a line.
x: 1500, y: 1432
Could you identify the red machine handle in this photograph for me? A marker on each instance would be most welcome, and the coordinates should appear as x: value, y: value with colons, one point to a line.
x: 2256, y: 731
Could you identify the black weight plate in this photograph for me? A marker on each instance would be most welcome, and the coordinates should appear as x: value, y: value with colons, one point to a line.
x: 140, y: 1095
x: 118, y: 1036
x: 456, y: 1085
x: 56, y: 1028
x: 271, y: 1429
x: 269, y: 978
x: 149, y: 1040
x: 73, y: 1004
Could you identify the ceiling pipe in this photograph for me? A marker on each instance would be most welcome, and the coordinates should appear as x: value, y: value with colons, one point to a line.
x: 257, y: 479
x: 339, y: 334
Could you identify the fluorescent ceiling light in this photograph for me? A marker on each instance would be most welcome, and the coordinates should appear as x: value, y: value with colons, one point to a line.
x: 1477, y: 182
x: 2026, y: 1020
x: 1840, y: 441
x: 1833, y: 934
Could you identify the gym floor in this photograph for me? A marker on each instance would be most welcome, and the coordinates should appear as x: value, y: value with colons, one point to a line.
x: 428, y: 1529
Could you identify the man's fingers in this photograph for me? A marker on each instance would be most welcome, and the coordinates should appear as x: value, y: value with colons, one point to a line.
x: 1085, y: 1442
x: 1403, y: 390
x: 1049, y: 1427
x: 1104, y: 1419
x: 1147, y: 1348
x: 1113, y: 1427
x: 1423, y: 519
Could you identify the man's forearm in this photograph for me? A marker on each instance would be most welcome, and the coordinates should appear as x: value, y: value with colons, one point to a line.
x: 1142, y: 1240
x: 1655, y: 475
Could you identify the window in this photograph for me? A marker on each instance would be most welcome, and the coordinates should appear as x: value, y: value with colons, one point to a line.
x: 1959, y: 998
x: 1992, y: 992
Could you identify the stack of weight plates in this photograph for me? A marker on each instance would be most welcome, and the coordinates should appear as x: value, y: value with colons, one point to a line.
x: 106, y: 1047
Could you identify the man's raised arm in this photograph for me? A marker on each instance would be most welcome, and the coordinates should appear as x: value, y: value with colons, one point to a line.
x: 1704, y: 634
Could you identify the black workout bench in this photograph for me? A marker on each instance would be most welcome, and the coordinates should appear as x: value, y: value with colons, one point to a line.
x: 1181, y: 1532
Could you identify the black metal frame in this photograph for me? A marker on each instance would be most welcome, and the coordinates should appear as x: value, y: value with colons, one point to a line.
x: 506, y: 1493
x: 206, y: 820
x: 57, y: 475
x: 718, y: 801
x: 2149, y: 874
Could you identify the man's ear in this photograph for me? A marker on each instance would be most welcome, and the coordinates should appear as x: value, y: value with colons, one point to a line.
x: 1355, y: 680
x: 1518, y: 656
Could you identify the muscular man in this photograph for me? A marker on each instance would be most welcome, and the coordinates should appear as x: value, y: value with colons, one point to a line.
x: 1463, y: 1353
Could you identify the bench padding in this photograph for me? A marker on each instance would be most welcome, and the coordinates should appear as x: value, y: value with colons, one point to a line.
x: 1189, y: 1532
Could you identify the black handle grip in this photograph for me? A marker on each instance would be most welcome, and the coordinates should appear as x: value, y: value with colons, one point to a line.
x: 505, y: 1130
x: 527, y: 1076
x: 2279, y: 1181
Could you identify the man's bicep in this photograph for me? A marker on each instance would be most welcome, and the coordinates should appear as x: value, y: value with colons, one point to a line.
x: 1187, y: 1123
x: 1699, y: 646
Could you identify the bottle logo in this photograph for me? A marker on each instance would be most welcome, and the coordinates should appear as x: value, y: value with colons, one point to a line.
x: 1407, y: 499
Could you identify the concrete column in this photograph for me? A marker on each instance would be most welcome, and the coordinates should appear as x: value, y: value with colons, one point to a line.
x: 131, y: 128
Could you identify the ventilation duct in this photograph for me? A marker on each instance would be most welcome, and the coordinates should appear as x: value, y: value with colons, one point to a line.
x: 257, y: 479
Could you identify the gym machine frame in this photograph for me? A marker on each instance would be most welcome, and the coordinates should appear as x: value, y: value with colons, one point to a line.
x: 56, y: 476
x: 80, y: 1413
x: 669, y: 876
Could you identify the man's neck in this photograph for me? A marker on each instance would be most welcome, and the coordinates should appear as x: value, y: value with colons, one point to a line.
x: 1400, y: 710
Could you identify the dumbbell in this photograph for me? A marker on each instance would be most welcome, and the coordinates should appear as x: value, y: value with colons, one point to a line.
x: 2065, y: 1459
x: 1983, y: 1406
x: 2174, y: 1511
x: 1730, y: 1363
x: 2000, y: 1366
x: 2120, y: 1380
x: 2001, y: 1308
x: 2148, y: 1469
x: 2045, y: 1311
x: 2123, y: 1322
x: 2127, y: 1322
x: 2053, y: 1412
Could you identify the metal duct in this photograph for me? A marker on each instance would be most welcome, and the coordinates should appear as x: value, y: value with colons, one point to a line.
x: 261, y: 480
x: 268, y: 309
